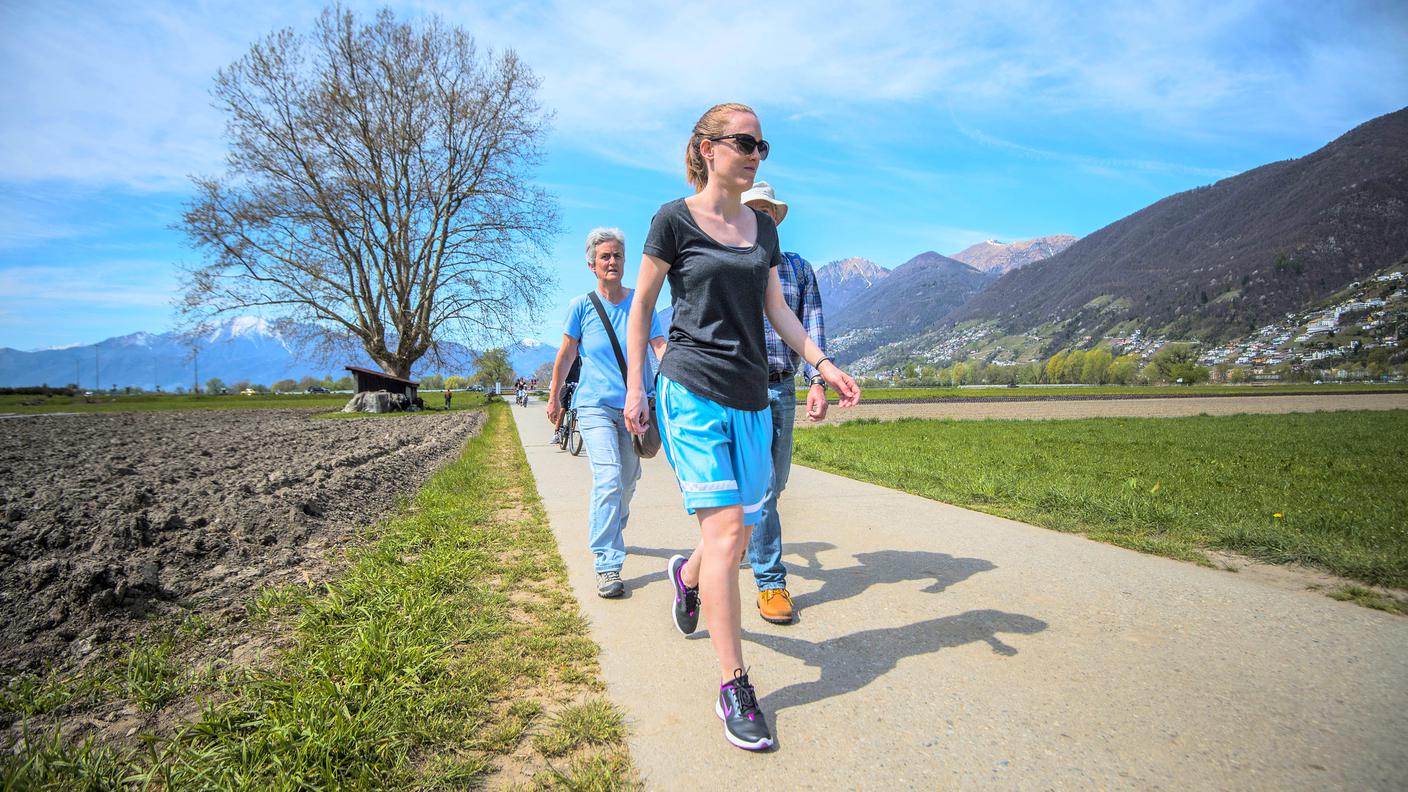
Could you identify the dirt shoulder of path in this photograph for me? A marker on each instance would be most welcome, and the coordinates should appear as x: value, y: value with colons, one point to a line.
x: 1086, y: 407
x: 1019, y: 395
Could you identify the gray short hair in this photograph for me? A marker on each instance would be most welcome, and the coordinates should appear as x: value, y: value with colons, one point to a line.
x: 598, y: 235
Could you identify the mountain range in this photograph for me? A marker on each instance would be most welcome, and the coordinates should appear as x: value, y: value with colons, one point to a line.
x: 1002, y: 257
x: 840, y: 282
x: 868, y: 306
x: 241, y: 348
x: 902, y: 303
x: 1209, y: 264
x: 1218, y: 261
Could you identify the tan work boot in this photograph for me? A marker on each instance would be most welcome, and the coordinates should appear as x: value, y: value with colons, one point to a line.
x: 775, y: 605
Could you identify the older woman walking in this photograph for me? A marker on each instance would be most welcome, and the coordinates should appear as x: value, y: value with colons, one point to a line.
x: 600, y: 397
x: 721, y: 258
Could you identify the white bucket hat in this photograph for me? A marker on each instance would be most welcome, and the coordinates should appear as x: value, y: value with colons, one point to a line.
x: 762, y: 191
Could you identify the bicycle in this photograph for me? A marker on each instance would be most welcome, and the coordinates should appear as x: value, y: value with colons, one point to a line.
x: 571, y: 434
x: 566, y: 435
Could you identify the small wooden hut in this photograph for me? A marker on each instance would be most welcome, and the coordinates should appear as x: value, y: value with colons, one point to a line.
x: 368, y: 380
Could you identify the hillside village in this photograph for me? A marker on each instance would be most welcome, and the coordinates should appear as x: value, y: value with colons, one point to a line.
x: 1355, y: 335
x: 1366, y: 317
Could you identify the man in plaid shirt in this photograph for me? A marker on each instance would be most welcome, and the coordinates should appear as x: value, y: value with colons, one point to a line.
x: 799, y: 289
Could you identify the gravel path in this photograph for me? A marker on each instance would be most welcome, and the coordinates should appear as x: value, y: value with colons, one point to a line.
x: 1116, y: 408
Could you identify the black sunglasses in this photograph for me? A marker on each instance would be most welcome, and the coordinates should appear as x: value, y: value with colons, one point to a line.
x: 746, y: 143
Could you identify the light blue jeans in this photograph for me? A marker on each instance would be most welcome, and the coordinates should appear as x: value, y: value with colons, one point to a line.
x: 615, y: 469
x: 765, y: 545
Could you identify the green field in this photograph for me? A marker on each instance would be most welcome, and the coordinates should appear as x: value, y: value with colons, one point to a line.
x: 1047, y: 391
x: 451, y: 643
x: 1328, y: 489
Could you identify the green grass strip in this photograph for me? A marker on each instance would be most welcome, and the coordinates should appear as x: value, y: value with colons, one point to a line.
x: 1317, y: 488
x: 451, y: 641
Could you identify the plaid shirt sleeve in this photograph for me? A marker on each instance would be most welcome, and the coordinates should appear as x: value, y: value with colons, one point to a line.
x: 799, y: 290
x: 809, y: 311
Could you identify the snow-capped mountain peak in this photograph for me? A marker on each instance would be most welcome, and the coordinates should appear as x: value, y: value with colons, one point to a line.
x: 248, y: 327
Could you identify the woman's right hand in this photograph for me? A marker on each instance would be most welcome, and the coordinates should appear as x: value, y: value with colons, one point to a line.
x: 840, y: 382
x: 637, y: 411
x: 554, y: 410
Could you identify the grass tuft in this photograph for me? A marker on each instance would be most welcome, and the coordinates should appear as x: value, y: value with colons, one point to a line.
x: 46, y: 761
x: 594, y: 722
x: 151, y: 676
x: 31, y: 695
x: 273, y: 602
x: 591, y: 773
x: 1369, y: 598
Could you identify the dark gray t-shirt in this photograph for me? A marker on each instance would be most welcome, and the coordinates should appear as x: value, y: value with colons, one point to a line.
x: 717, y: 349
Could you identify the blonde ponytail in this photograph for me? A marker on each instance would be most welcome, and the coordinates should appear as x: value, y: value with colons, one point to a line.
x: 713, y: 123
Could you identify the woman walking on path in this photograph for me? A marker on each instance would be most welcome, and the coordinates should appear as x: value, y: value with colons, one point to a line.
x: 599, y: 398
x: 712, y: 401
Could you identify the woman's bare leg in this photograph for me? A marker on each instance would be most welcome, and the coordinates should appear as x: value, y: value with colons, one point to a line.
x: 713, y: 567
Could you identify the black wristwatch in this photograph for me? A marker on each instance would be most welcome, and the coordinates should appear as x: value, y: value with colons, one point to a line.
x: 817, y: 379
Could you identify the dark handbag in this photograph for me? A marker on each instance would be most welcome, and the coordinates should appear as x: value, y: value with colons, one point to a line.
x: 648, y: 444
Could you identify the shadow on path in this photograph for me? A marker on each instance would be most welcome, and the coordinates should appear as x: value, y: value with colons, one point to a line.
x: 851, y: 662
x: 841, y: 583
x: 877, y: 568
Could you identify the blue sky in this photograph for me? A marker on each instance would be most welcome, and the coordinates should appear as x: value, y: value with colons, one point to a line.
x: 899, y: 129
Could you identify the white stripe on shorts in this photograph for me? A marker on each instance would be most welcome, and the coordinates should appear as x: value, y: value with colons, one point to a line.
x: 756, y: 506
x: 711, y: 486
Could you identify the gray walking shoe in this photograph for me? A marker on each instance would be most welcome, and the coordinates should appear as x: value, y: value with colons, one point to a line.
x: 609, y: 585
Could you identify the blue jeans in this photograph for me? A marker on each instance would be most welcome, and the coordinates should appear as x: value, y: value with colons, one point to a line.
x: 765, y: 545
x: 615, y: 469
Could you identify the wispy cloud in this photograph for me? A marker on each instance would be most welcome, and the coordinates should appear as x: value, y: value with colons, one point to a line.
x: 107, y: 92
x: 1101, y: 165
x: 20, y: 228
x: 98, y: 286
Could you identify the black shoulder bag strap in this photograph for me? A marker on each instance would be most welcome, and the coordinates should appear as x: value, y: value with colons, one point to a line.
x: 611, y: 334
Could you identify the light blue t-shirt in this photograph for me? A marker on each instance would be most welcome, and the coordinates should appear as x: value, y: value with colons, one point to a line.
x: 601, y: 382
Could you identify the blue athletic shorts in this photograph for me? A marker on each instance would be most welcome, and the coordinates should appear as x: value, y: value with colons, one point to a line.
x: 721, y: 456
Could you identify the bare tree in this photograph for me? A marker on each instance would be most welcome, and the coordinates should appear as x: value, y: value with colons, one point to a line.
x: 377, y: 191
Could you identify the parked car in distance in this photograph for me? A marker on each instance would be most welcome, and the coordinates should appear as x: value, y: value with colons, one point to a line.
x: 247, y: 392
x: 318, y: 389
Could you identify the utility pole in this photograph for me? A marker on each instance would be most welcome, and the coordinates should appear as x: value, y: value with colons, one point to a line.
x: 195, y: 373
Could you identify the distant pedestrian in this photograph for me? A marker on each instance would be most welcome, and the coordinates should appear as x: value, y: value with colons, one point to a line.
x: 447, y: 397
x: 799, y: 290
x: 721, y: 259
x: 599, y: 398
